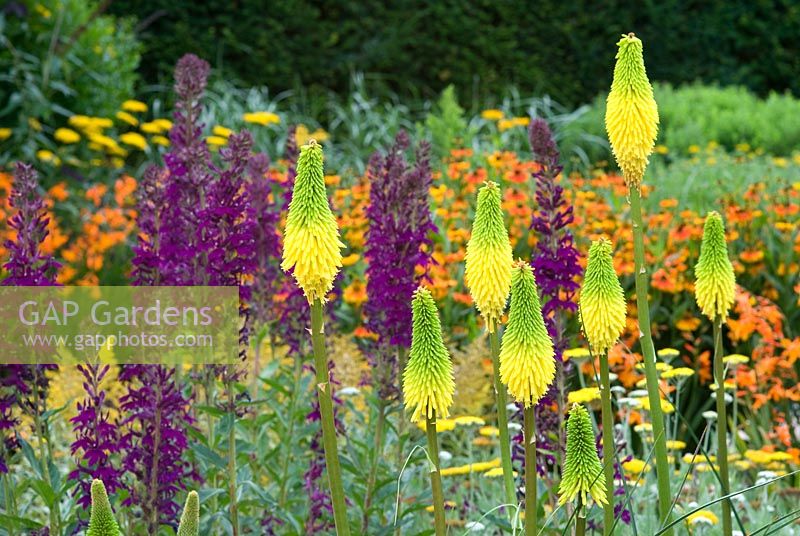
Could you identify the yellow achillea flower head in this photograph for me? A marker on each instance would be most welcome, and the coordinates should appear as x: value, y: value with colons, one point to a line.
x: 428, y: 383
x: 489, y: 257
x: 631, y: 112
x: 311, y: 242
x: 602, y: 301
x: 716, y: 284
x: 582, y: 469
x: 527, y: 366
x: 101, y: 518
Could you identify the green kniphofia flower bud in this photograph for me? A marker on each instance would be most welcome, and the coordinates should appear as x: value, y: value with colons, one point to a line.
x: 311, y: 242
x: 489, y: 257
x: 602, y: 301
x: 716, y: 284
x: 582, y: 472
x: 101, y: 520
x: 631, y: 112
x: 527, y: 366
x: 428, y: 383
x: 190, y: 519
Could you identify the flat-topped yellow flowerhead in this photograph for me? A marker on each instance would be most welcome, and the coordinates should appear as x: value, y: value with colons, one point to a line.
x: 582, y: 472
x: 428, y: 383
x: 489, y: 257
x: 602, y: 301
x: 715, y: 286
x: 631, y: 112
x: 527, y: 366
x: 311, y: 244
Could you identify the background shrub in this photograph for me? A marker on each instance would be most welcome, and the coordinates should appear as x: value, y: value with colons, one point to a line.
x: 417, y: 48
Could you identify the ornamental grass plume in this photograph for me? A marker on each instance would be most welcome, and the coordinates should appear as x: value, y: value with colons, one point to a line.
x: 526, y: 353
x: 311, y: 245
x: 631, y: 112
x: 582, y: 474
x: 714, y: 291
x: 602, y: 300
x: 428, y: 382
x: 489, y: 257
x: 190, y: 519
x: 716, y: 283
x: 602, y: 307
x: 101, y: 522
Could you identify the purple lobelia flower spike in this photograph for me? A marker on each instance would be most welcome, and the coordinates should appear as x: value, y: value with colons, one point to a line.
x: 96, y: 438
x: 27, y: 265
x: 397, y: 242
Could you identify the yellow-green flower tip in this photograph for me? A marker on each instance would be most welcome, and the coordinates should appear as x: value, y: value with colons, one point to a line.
x: 582, y: 470
x: 489, y: 257
x: 631, y: 112
x: 101, y: 519
x: 716, y: 284
x: 527, y: 366
x: 428, y: 383
x: 602, y: 301
x: 190, y: 519
x: 311, y: 244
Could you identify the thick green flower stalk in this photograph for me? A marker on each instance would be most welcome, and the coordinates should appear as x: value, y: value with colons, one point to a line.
x: 101, y: 521
x: 311, y: 242
x: 714, y: 291
x: 631, y: 112
x: 632, y: 125
x: 489, y: 259
x: 428, y: 386
x: 527, y: 367
x: 190, y: 519
x: 311, y: 247
x: 602, y: 313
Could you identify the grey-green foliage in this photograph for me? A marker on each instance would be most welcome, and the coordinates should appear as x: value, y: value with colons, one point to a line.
x: 190, y: 519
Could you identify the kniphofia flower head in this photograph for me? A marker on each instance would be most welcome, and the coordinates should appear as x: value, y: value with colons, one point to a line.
x: 582, y: 470
x: 428, y: 383
x: 631, y: 111
x: 716, y: 284
x: 102, y: 522
x: 311, y: 242
x: 190, y: 519
x: 602, y: 301
x: 489, y: 257
x: 527, y: 366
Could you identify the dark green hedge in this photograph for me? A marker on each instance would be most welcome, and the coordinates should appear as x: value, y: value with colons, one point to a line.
x: 561, y: 47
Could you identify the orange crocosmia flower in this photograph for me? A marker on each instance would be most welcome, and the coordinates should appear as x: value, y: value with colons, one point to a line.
x: 350, y: 260
x: 59, y: 191
x: 668, y: 203
x: 124, y: 187
x: 355, y: 293
x: 363, y: 333
x: 688, y: 323
x: 517, y: 176
x: 461, y: 153
x: 752, y: 256
x: 703, y: 367
x: 332, y: 180
x: 95, y: 193
x: 478, y: 176
x: 463, y: 297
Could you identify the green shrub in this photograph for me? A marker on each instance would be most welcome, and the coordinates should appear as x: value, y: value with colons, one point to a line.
x: 59, y: 58
x: 417, y: 48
